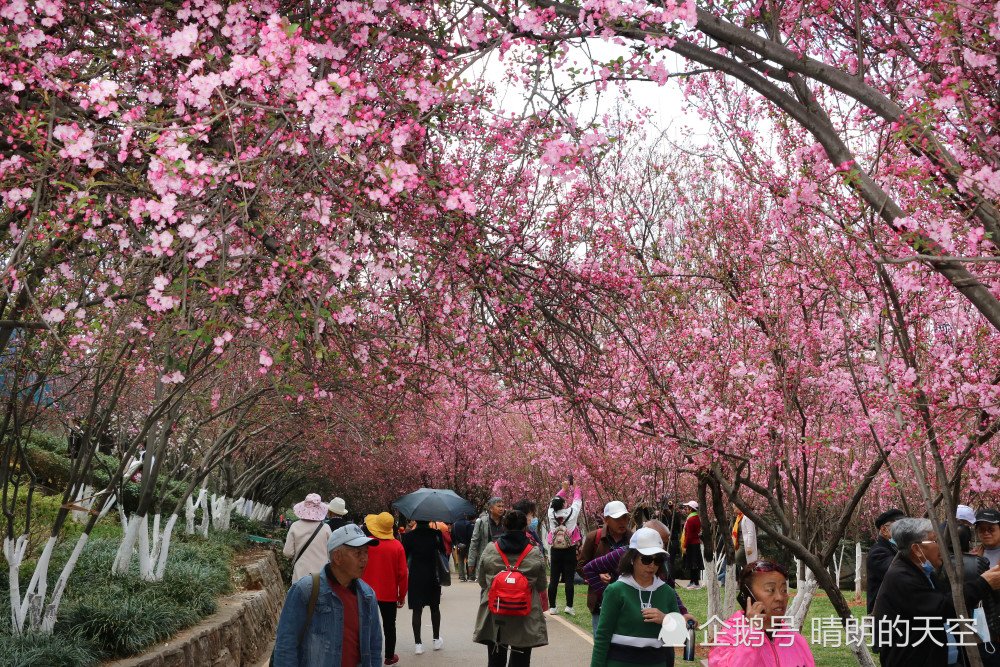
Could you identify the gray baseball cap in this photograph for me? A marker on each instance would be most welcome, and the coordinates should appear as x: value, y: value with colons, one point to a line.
x: 350, y: 535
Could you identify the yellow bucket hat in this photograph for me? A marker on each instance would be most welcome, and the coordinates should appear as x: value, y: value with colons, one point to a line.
x: 380, y: 525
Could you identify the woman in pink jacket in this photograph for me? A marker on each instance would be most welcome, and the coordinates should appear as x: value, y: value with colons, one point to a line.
x: 757, y: 636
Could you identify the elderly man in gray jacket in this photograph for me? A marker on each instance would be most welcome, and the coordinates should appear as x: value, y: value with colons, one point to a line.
x: 488, y: 529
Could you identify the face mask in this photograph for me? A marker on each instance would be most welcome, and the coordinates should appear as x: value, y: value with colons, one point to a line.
x: 926, y: 564
x: 534, y: 523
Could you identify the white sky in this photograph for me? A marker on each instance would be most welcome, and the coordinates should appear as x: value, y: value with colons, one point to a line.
x: 670, y: 111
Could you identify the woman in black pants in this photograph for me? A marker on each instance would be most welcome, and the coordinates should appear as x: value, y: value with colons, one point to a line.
x: 564, y: 539
x: 423, y: 546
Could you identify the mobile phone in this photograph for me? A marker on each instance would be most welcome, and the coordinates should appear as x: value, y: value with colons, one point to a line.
x: 750, y: 595
x: 569, y: 477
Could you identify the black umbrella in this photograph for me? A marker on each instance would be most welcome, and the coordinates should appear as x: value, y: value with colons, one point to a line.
x: 433, y: 505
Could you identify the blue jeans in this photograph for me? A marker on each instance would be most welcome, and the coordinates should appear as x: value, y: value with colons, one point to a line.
x: 595, y: 619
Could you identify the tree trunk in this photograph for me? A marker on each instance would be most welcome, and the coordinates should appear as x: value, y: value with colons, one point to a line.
x: 858, y: 569
x: 49, y: 619
x: 13, y: 551
x: 161, y: 558
x: 124, y: 555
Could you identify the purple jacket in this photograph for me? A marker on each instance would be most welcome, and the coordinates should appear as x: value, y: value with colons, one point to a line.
x: 608, y: 564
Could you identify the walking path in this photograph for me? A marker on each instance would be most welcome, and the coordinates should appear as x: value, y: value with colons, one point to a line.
x: 568, y: 644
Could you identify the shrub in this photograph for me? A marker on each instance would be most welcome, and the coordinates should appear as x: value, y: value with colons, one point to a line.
x: 125, y: 615
x: 34, y: 650
x: 123, y: 623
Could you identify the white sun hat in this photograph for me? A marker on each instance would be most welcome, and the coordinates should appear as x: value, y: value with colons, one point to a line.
x: 647, y: 542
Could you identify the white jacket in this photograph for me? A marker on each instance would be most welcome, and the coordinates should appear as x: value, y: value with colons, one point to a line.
x: 569, y: 515
x: 315, y: 558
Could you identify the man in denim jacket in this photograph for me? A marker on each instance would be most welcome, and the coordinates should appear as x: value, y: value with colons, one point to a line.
x: 344, y: 628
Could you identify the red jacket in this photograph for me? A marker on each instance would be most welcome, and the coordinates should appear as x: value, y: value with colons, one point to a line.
x: 386, y: 571
x: 692, y: 531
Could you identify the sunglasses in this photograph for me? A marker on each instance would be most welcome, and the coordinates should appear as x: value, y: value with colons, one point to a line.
x: 659, y: 559
x: 768, y: 566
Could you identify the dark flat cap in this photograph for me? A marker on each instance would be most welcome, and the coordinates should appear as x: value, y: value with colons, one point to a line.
x: 989, y: 515
x: 887, y: 516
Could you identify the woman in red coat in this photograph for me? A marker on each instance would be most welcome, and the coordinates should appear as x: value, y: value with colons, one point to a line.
x: 691, y: 546
x: 386, y: 574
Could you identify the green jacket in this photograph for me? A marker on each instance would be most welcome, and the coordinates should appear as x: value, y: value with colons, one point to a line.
x: 520, y: 631
x: 481, y: 539
x: 621, y: 618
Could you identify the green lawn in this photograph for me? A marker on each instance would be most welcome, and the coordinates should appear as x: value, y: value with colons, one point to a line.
x: 697, y: 604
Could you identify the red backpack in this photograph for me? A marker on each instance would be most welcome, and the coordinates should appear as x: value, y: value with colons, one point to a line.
x: 510, y: 591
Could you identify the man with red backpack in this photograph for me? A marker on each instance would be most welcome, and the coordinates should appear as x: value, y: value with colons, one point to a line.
x: 613, y: 535
x: 510, y: 620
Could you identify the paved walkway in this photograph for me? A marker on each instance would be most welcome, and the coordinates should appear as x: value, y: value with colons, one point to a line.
x: 568, y: 644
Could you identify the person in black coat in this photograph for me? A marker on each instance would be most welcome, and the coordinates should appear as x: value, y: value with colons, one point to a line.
x: 461, y: 537
x: 674, y: 520
x: 908, y: 593
x: 424, y: 546
x: 881, y: 554
x: 973, y: 566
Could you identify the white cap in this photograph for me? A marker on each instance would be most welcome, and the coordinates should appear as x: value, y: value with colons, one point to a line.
x: 693, y: 504
x: 338, y: 506
x: 965, y: 513
x: 647, y: 542
x: 350, y: 535
x: 615, y: 509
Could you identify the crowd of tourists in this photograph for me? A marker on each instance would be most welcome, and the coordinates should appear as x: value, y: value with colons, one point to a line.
x: 352, y: 579
x: 909, y: 588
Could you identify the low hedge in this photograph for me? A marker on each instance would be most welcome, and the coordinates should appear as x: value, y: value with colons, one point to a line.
x: 104, y: 617
x: 46, y: 454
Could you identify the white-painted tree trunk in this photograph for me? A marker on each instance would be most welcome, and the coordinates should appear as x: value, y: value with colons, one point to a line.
x: 260, y: 512
x: 732, y: 588
x: 127, y: 546
x: 222, y: 512
x: 803, y: 599
x: 80, y: 516
x: 838, y: 564
x: 145, y: 569
x: 206, y: 512
x: 49, y: 619
x: 108, y: 504
x: 161, y: 558
x: 857, y: 571
x: 38, y: 586
x: 156, y: 538
x: 239, y: 504
x: 191, y: 507
x: 712, y: 586
x: 13, y: 551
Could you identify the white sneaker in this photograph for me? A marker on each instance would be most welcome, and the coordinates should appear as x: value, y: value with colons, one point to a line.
x: 553, y: 611
x: 570, y: 611
x: 419, y: 649
x: 437, y: 644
